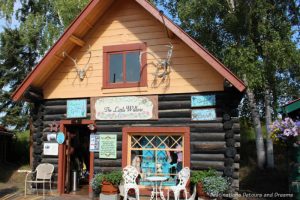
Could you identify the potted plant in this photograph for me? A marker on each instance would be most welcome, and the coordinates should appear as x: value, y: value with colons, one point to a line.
x: 215, y: 186
x: 197, y: 178
x: 106, y: 183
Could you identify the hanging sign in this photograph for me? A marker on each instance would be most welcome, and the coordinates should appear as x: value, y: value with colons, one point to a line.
x: 108, y: 146
x: 94, y: 143
x: 124, y: 108
x: 76, y: 108
x: 203, y: 100
x: 204, y: 114
x: 50, y: 149
x: 60, y: 137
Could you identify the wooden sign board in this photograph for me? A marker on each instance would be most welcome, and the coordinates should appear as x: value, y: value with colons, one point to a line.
x: 124, y: 108
x: 204, y: 114
x: 108, y: 146
x: 50, y: 149
x: 203, y: 100
x: 76, y: 108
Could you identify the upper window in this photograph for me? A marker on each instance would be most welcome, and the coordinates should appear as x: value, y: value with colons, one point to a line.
x: 123, y: 66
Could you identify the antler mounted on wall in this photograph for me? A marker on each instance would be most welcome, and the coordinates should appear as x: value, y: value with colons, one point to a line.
x: 81, y: 72
x: 162, y: 64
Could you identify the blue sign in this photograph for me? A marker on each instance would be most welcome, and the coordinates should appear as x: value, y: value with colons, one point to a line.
x: 76, y: 108
x: 204, y: 114
x: 60, y: 138
x: 203, y: 100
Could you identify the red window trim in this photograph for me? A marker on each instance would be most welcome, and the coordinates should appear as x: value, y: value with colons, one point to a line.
x: 107, y: 50
x: 157, y: 130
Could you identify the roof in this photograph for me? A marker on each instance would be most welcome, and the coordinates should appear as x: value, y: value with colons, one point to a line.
x: 100, y: 6
x: 290, y: 106
x: 4, y: 131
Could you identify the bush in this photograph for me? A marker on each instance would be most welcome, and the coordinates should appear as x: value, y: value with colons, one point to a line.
x: 114, y: 178
x: 198, y: 176
x: 215, y: 185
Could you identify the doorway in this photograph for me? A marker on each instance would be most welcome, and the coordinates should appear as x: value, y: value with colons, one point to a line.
x: 78, y: 159
x: 76, y: 163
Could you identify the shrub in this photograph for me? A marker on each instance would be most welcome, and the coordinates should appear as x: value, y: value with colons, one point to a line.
x: 198, y: 176
x: 215, y: 185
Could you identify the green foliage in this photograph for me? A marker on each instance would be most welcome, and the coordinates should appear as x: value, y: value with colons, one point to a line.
x: 214, y: 186
x: 199, y: 176
x: 40, y: 24
x: 21, y: 148
x: 114, y: 177
x: 255, y: 39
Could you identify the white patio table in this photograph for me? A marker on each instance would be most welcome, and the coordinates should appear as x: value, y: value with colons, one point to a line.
x: 157, y: 180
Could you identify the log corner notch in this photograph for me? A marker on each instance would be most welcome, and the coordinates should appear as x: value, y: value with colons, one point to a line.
x: 77, y: 40
x: 33, y: 95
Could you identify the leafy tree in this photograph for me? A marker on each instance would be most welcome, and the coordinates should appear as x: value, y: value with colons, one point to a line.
x: 256, y: 40
x: 40, y: 24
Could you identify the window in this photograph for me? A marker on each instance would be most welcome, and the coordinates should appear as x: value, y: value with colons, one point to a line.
x: 122, y: 66
x: 161, y: 151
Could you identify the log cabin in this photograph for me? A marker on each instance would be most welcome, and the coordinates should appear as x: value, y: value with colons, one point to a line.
x: 124, y: 83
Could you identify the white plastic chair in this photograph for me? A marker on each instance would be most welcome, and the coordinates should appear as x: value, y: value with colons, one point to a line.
x: 183, y: 177
x: 130, y: 174
x: 43, y: 173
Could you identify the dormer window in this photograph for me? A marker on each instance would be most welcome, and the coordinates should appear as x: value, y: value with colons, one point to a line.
x: 122, y: 66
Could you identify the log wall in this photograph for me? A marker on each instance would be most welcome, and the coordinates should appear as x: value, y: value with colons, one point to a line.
x: 214, y: 144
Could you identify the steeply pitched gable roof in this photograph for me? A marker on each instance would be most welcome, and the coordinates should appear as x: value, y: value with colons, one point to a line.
x: 93, y: 7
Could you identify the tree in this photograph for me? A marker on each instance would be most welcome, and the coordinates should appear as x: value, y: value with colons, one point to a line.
x: 40, y: 24
x: 253, y: 38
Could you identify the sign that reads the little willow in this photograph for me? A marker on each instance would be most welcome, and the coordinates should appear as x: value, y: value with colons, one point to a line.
x: 108, y: 146
x: 124, y: 108
x: 76, y: 108
x: 204, y: 114
x: 203, y: 100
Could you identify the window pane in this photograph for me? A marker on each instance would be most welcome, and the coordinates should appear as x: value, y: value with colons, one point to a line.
x: 133, y: 68
x: 160, y: 155
x: 116, y: 68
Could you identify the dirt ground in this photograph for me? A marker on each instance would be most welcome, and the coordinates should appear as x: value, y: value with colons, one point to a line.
x: 11, y: 181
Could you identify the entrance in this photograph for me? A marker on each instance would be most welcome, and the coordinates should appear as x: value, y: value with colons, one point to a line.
x: 78, y: 159
x: 76, y: 163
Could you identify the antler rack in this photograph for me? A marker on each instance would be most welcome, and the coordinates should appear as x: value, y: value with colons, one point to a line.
x: 81, y: 72
x: 163, y: 64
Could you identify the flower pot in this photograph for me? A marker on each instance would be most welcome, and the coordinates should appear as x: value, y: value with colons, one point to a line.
x: 108, y: 188
x: 200, y: 190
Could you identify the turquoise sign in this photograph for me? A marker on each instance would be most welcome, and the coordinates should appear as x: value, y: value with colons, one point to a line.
x: 76, y: 108
x: 204, y: 114
x: 203, y: 100
x: 60, y: 138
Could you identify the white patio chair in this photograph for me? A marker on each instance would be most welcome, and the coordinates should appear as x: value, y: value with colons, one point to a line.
x: 43, y: 173
x: 183, y: 177
x: 130, y: 174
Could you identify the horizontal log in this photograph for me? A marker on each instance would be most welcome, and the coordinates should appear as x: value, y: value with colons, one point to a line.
x: 174, y: 97
x: 55, y: 102
x: 207, y: 136
x: 200, y: 165
x: 207, y: 145
x: 119, y: 155
x: 105, y: 169
x: 107, y: 162
x: 207, y: 157
x: 175, y: 113
x: 166, y: 105
x: 236, y: 175
x: 50, y: 160
x: 60, y: 109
